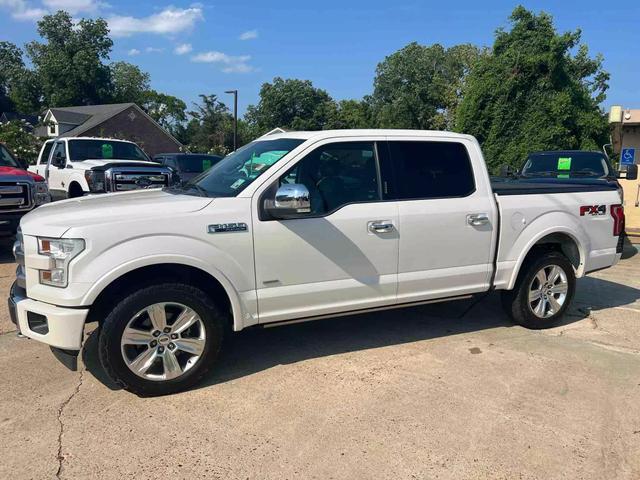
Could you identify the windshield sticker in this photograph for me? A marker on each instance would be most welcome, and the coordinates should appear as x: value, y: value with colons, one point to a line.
x: 237, y: 184
x: 564, y: 163
x: 107, y: 150
x: 206, y: 164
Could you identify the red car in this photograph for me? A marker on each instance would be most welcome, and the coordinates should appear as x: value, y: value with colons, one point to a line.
x: 20, y: 191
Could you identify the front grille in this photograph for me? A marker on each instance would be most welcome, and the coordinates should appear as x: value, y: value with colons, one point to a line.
x: 15, y: 196
x: 18, y: 253
x: 123, y: 180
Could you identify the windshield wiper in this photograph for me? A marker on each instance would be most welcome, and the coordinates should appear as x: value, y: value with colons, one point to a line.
x: 185, y: 187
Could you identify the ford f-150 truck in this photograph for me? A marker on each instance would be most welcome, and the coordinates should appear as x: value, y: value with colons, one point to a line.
x: 299, y: 226
x: 20, y: 191
x: 80, y: 165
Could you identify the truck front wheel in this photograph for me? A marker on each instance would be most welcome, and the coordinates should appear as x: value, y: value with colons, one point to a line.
x: 543, y: 292
x: 161, y: 339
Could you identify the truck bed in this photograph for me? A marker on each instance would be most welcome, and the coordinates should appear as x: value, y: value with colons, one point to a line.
x: 503, y: 186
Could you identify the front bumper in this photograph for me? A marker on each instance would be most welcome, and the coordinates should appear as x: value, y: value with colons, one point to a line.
x: 59, y: 327
x: 9, y: 222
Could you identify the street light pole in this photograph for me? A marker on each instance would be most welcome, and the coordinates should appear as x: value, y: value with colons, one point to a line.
x: 235, y: 118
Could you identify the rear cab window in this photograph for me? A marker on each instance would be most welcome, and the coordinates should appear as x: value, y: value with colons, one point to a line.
x: 427, y: 169
x: 566, y: 165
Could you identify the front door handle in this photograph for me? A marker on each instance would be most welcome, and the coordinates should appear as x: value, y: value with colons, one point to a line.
x: 477, y: 219
x: 380, y: 226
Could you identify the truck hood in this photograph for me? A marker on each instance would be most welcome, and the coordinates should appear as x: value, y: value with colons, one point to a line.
x: 93, y: 164
x: 16, y: 174
x: 54, y: 219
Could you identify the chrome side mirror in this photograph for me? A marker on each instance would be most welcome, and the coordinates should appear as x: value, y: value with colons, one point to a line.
x: 290, y: 201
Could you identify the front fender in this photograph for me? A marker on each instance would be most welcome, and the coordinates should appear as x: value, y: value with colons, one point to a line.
x: 104, y: 267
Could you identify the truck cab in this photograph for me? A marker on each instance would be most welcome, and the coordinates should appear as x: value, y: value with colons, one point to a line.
x: 77, y: 166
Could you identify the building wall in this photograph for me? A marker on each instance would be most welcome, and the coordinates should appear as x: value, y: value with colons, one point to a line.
x: 631, y: 139
x: 131, y: 124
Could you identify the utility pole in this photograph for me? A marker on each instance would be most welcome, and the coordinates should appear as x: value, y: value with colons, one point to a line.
x: 235, y: 117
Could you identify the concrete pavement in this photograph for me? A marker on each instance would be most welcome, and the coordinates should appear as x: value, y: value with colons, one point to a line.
x: 442, y: 391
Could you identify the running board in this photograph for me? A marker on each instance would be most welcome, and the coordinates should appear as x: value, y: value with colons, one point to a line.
x: 358, y: 312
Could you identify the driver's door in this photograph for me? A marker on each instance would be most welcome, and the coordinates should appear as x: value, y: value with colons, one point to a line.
x: 55, y: 173
x: 332, y: 259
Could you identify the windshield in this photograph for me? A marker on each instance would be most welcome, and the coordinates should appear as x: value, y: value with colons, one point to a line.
x: 236, y: 171
x: 80, y: 150
x: 6, y: 159
x: 566, y: 165
x: 196, y: 163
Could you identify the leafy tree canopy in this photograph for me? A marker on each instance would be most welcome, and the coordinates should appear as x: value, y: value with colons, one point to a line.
x: 291, y: 103
x: 70, y: 61
x: 420, y: 86
x: 129, y: 83
x: 538, y: 89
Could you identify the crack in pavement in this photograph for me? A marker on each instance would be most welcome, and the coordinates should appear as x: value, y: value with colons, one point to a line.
x: 63, y: 405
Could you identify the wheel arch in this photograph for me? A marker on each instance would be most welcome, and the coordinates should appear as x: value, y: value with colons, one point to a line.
x: 562, y: 240
x: 216, y: 286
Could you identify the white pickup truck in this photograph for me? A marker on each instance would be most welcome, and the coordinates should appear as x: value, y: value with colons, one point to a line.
x: 77, y: 166
x: 298, y: 226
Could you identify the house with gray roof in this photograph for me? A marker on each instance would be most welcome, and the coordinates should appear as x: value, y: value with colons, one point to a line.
x: 119, y: 120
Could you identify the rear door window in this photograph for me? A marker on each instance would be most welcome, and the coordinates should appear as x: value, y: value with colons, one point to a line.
x: 425, y: 169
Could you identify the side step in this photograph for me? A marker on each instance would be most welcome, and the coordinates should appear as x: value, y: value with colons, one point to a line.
x: 363, y: 310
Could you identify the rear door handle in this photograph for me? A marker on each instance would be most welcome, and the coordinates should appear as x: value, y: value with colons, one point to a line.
x: 380, y: 226
x: 477, y: 219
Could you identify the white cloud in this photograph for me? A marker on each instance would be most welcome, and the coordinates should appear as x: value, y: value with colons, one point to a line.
x: 74, y: 6
x: 22, y: 10
x: 169, y: 21
x: 154, y: 50
x: 133, y: 52
x: 230, y: 64
x: 249, y: 35
x: 183, y: 49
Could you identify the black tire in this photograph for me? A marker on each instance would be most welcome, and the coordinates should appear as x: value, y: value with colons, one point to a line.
x: 112, y: 329
x: 75, y: 190
x: 516, y: 302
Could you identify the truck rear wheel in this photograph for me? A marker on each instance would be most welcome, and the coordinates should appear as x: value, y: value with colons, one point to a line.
x: 161, y: 339
x: 543, y: 292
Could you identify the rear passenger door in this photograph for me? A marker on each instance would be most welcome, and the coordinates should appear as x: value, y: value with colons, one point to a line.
x: 446, y: 222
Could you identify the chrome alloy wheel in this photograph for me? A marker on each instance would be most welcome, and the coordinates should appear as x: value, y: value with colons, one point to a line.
x: 548, y: 291
x: 163, y: 341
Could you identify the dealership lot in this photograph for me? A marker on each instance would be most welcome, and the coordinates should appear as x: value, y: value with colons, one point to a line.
x: 450, y: 391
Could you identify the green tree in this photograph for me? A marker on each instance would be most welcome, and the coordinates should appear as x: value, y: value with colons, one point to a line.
x: 290, y: 103
x: 352, y: 114
x: 20, y: 89
x: 70, y: 63
x: 537, y: 90
x: 210, y: 129
x: 167, y: 110
x: 129, y: 83
x: 419, y: 86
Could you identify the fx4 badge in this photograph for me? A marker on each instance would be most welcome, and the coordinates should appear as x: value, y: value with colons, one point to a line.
x: 593, y: 210
x: 227, y: 227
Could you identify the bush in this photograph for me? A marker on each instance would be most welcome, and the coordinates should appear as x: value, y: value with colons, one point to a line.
x: 17, y: 137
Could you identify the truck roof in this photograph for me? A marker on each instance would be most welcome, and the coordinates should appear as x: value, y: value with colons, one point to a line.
x: 89, y: 138
x: 321, y: 134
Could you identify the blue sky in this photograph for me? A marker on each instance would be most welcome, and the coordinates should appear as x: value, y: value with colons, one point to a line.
x: 209, y: 47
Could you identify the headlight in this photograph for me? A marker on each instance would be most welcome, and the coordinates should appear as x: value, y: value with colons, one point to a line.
x: 60, y: 252
x: 95, y: 180
x: 42, y: 193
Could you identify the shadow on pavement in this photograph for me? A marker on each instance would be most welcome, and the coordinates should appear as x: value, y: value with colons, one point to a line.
x: 256, y: 350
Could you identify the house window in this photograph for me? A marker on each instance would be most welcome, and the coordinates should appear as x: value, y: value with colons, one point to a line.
x: 52, y: 129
